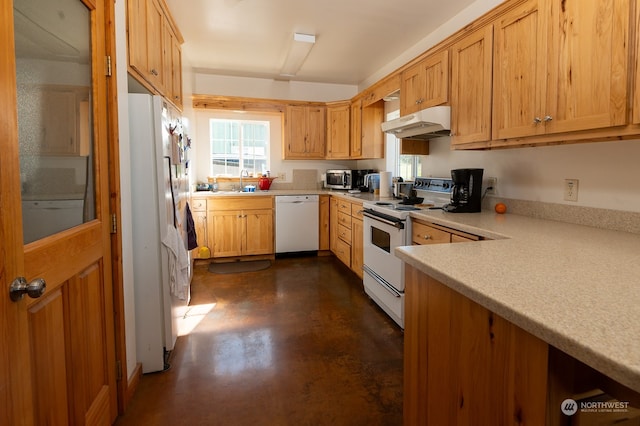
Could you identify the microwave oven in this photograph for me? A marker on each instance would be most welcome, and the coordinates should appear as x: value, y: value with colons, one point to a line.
x: 345, y: 178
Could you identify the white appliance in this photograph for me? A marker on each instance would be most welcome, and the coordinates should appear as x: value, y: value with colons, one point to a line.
x: 387, y: 226
x: 426, y: 124
x: 297, y: 223
x: 159, y: 192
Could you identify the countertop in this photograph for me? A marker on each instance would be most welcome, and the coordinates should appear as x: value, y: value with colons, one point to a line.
x: 362, y: 196
x: 575, y: 287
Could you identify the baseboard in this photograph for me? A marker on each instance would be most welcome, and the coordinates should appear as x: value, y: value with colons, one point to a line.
x: 132, y: 385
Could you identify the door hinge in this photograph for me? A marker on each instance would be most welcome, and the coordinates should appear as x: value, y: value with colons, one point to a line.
x: 114, y: 223
x: 118, y: 370
x: 108, y: 65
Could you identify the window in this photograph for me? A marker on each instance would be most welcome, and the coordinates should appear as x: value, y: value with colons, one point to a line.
x: 239, y: 145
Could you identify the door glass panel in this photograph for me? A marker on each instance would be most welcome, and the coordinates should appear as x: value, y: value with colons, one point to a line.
x: 53, y: 70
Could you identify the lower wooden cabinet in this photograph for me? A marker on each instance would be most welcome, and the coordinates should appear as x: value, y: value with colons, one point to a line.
x: 240, y: 226
x: 199, y: 212
x: 431, y: 233
x: 346, y: 233
x: 463, y: 364
x: 324, y: 217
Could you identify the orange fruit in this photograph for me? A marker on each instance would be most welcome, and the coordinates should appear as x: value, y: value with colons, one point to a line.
x: 501, y: 208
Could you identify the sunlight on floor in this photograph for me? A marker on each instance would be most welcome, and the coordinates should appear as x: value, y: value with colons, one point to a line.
x: 192, y: 317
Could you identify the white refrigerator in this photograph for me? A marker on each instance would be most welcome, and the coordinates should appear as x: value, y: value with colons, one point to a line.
x: 159, y: 192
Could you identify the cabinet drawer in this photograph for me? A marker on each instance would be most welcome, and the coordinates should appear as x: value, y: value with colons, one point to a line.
x: 344, y: 219
x: 425, y: 234
x: 344, y: 207
x: 198, y: 204
x: 356, y: 211
x: 247, y: 202
x: 343, y: 252
x: 344, y: 233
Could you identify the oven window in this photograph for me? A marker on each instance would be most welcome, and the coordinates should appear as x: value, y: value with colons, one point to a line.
x: 380, y: 238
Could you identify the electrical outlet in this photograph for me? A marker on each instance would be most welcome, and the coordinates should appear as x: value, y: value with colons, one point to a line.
x: 282, y: 176
x: 492, y: 183
x: 571, y: 189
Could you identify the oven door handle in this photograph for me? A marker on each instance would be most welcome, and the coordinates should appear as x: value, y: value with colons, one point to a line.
x: 381, y: 281
x: 396, y: 224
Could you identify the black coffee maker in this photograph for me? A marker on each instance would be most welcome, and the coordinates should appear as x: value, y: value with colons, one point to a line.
x: 466, y: 196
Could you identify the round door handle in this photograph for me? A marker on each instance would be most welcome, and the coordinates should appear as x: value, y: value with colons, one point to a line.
x: 548, y: 118
x: 537, y: 120
x: 34, y: 289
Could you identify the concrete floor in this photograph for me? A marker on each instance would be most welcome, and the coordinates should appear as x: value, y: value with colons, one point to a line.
x: 296, y: 344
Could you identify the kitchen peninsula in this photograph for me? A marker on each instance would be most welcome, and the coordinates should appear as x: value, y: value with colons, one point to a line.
x: 537, y: 311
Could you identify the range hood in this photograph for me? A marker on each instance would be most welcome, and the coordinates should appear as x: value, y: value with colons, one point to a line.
x: 426, y: 124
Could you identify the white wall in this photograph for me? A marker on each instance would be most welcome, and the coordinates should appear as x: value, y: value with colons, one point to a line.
x: 211, y: 84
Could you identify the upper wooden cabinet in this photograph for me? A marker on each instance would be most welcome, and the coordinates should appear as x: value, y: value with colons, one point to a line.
x: 471, y: 87
x: 425, y: 84
x: 338, y: 128
x: 561, y: 67
x: 355, y: 150
x: 154, y: 48
x: 367, y: 138
x: 304, y: 132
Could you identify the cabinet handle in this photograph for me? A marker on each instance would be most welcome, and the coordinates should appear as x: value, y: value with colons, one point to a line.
x: 154, y: 72
x: 548, y: 118
x: 537, y: 120
x: 426, y: 237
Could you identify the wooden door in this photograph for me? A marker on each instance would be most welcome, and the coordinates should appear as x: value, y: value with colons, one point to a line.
x: 355, y: 135
x: 471, y: 71
x: 357, y: 246
x: 316, y: 130
x: 155, y: 39
x: 57, y: 362
x: 137, y: 35
x: 412, y: 89
x: 519, y: 70
x: 296, y: 132
x: 258, y: 232
x: 588, y: 59
x: 227, y: 233
x: 338, y: 131
x: 436, y: 79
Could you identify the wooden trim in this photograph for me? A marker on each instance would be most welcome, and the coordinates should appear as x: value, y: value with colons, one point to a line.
x: 236, y: 103
x: 130, y: 386
x: 241, y: 258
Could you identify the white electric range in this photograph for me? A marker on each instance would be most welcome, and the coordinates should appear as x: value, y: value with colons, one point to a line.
x: 387, y: 226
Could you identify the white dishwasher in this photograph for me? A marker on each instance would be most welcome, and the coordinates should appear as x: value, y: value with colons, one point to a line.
x: 297, y: 226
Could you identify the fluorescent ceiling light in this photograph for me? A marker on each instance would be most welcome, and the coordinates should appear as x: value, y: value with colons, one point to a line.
x: 298, y: 52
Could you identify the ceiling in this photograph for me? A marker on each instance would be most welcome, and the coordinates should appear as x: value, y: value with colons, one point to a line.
x: 354, y: 39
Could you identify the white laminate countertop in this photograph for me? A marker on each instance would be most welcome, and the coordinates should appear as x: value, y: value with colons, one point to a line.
x: 573, y: 286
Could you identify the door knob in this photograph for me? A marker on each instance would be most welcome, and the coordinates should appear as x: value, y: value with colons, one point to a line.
x: 34, y: 289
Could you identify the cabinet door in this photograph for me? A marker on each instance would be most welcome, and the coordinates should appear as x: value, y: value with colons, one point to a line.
x: 356, y: 130
x: 296, y: 132
x: 137, y: 34
x: 425, y: 84
x: 519, y: 74
x: 155, y: 36
x: 372, y: 135
x: 227, y: 233
x: 200, y: 222
x: 60, y: 123
x: 338, y: 131
x: 411, y: 89
x: 316, y: 127
x: 333, y: 224
x: 176, y: 72
x: 588, y: 59
x: 325, y: 220
x: 471, y: 70
x: 357, y: 246
x: 258, y: 232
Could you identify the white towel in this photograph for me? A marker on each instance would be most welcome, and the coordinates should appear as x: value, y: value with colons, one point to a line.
x: 178, y: 263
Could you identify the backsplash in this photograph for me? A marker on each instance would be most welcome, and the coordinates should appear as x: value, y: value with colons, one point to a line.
x: 616, y: 220
x: 301, y: 179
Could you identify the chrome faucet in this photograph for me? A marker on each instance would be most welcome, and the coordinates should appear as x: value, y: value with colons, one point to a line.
x: 243, y: 173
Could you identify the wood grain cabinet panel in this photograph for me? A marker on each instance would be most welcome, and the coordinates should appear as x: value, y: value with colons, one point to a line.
x: 425, y: 84
x: 547, y: 78
x: 471, y: 69
x: 304, y: 132
x: 463, y: 364
x: 338, y: 128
